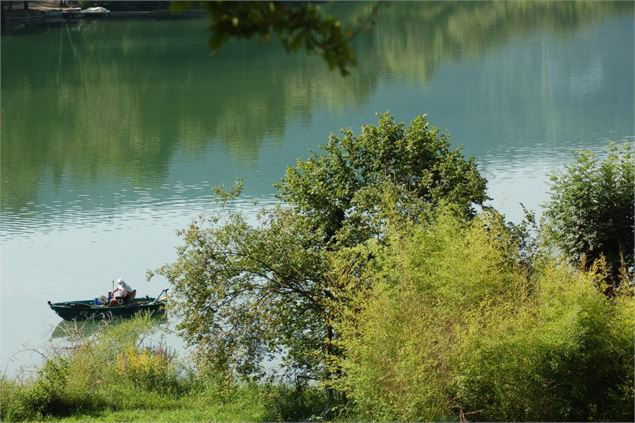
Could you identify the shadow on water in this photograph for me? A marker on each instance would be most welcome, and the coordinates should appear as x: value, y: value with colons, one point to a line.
x: 72, y: 329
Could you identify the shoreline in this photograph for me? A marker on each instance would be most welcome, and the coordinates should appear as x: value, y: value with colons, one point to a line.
x: 15, y: 22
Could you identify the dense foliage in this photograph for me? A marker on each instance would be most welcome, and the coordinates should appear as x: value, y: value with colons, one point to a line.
x: 445, y: 319
x: 377, y: 278
x: 341, y: 191
x: 454, y: 324
x: 246, y: 293
x: 590, y: 213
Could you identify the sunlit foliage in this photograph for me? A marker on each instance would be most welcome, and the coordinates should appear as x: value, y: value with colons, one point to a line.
x: 247, y: 293
x: 590, y: 212
x: 454, y: 325
x: 119, y: 373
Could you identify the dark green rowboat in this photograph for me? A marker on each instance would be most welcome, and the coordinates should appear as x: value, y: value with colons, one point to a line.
x: 92, y: 310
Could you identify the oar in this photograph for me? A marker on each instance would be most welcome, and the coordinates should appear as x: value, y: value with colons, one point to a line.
x: 159, y: 296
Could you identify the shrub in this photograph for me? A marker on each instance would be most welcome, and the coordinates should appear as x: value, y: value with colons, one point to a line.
x: 9, y: 393
x: 114, y: 368
x: 456, y: 326
x: 296, y: 403
x: 433, y: 281
x: 590, y: 212
x: 149, y: 368
x: 46, y: 395
x: 565, y: 355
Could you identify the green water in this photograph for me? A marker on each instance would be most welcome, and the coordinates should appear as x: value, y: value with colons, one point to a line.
x: 113, y: 132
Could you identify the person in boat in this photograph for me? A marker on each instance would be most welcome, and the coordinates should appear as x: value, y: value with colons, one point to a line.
x: 122, y: 294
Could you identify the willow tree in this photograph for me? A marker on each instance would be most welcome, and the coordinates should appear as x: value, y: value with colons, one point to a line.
x: 247, y: 292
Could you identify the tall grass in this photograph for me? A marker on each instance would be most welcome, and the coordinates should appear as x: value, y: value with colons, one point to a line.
x: 109, y: 369
x: 119, y: 374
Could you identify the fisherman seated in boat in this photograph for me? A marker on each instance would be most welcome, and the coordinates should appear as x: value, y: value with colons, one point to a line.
x: 122, y: 294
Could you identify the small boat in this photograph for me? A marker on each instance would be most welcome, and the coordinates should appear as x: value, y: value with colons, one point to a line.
x: 95, y: 310
x: 95, y: 11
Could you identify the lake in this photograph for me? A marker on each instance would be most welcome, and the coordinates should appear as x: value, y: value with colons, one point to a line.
x: 114, y: 132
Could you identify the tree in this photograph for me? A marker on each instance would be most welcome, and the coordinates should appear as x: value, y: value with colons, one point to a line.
x: 248, y: 292
x: 341, y: 189
x: 298, y: 25
x: 590, y: 212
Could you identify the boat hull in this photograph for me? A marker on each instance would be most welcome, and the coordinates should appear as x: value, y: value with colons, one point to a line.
x: 90, y: 310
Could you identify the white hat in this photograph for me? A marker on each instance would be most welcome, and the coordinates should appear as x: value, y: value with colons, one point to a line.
x: 120, y: 281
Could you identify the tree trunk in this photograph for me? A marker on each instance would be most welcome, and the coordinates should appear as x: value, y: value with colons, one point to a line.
x: 330, y: 392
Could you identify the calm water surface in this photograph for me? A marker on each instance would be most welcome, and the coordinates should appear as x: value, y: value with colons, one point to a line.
x: 114, y: 132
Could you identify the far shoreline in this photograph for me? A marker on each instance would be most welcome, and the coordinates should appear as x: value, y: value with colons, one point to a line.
x: 23, y: 21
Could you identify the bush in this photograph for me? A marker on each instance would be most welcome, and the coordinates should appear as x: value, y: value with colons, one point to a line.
x: 113, y: 368
x: 9, y: 392
x: 590, y: 212
x: 431, y: 283
x: 456, y: 326
x: 565, y: 355
x: 46, y: 395
x: 117, y: 375
x: 150, y: 368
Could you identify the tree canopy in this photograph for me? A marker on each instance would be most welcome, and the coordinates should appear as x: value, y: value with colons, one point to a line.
x: 249, y: 292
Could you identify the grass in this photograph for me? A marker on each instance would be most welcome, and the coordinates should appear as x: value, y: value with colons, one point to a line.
x: 116, y: 374
x: 123, y: 403
x: 185, y: 409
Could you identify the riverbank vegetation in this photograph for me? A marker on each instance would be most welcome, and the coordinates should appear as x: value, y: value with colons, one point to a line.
x: 383, y: 288
x: 120, y: 374
x: 457, y: 324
